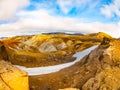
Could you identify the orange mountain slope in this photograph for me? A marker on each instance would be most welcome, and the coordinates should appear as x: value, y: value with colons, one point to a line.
x: 45, y: 49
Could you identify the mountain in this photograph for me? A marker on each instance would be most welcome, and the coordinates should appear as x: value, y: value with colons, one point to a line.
x: 80, y: 34
x: 99, y: 70
x: 47, y: 49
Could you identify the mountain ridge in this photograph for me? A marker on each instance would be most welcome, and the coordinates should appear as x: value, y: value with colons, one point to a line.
x: 41, y: 49
x: 95, y: 71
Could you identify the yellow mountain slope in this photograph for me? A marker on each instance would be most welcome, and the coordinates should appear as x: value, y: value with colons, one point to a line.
x: 12, y: 78
x: 45, y: 49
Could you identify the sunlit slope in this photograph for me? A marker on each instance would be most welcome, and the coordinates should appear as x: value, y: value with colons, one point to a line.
x: 45, y: 49
x: 12, y: 78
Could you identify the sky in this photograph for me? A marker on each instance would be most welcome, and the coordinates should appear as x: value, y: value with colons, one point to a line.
x: 18, y: 17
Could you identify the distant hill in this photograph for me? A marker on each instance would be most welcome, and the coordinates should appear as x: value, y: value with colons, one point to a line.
x: 3, y: 37
x: 64, y: 33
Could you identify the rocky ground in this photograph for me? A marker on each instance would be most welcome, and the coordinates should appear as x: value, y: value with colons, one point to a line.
x: 12, y: 78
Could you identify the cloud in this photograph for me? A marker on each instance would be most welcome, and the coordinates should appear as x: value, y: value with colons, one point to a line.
x: 8, y: 8
x: 111, y: 9
x: 67, y: 5
x: 40, y: 20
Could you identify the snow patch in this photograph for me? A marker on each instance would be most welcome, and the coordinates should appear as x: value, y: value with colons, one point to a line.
x: 55, y: 68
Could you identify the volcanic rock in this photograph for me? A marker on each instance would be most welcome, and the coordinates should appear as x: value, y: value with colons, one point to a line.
x: 12, y: 78
x: 3, y: 52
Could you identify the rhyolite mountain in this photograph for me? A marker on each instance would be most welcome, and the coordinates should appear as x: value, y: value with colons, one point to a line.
x: 47, y: 49
x: 99, y: 70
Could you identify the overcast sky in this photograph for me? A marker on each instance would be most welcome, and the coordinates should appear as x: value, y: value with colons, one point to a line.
x: 31, y: 16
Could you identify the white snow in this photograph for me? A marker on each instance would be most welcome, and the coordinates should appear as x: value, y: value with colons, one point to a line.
x: 55, y: 68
